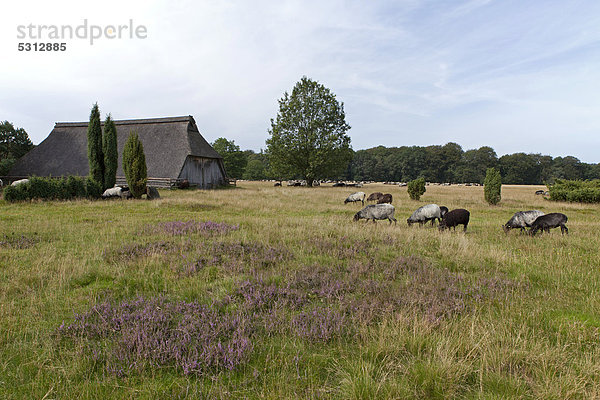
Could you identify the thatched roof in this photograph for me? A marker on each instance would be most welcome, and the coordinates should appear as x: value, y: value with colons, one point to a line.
x: 167, y: 142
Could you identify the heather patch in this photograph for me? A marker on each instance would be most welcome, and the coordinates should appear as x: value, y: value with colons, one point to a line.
x: 14, y: 241
x: 177, y: 228
x: 315, y: 303
x: 233, y: 256
x: 154, y: 332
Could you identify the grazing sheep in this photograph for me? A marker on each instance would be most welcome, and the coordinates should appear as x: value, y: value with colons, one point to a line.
x: 460, y: 216
x: 443, y: 210
x: 549, y: 221
x: 339, y: 184
x: 521, y: 219
x: 375, y: 212
x: 386, y: 198
x: 354, y: 197
x: 20, y: 181
x: 277, y: 184
x: 538, y: 192
x: 423, y: 214
x: 375, y: 196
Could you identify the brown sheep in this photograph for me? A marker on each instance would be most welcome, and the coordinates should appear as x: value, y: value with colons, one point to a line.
x: 375, y: 196
x: 386, y: 198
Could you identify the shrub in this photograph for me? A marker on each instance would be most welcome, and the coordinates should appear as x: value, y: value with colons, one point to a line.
x: 93, y: 188
x: 492, y: 186
x: 134, y: 165
x: 72, y: 187
x: 416, y: 188
x: 575, y: 191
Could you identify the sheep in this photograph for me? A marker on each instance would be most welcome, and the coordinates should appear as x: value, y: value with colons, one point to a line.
x: 277, y: 184
x: 377, y: 211
x: 354, y: 197
x: 452, y: 218
x: 538, y: 192
x: 19, y: 182
x: 113, y: 192
x: 386, y: 198
x: 521, y: 219
x: 443, y: 210
x: 549, y: 221
x: 339, y: 184
x: 422, y: 215
x: 118, y: 191
x: 375, y: 196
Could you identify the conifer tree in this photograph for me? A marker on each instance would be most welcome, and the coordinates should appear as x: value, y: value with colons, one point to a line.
x: 134, y: 165
x: 492, y: 186
x: 94, y: 137
x: 111, y: 156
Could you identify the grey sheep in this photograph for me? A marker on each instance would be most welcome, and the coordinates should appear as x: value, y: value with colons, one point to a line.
x: 354, y: 197
x: 375, y: 212
x: 429, y: 212
x: 522, y: 220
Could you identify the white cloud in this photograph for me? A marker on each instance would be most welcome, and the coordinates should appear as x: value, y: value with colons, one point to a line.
x: 476, y: 72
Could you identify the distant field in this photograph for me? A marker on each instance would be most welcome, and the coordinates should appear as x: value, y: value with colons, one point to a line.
x: 284, y: 296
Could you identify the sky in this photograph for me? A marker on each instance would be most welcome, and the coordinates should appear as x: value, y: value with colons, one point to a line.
x: 519, y: 76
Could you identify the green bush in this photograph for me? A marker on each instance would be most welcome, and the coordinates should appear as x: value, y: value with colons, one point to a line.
x: 492, y: 186
x: 134, y: 165
x: 577, y: 191
x: 416, y: 188
x: 72, y: 187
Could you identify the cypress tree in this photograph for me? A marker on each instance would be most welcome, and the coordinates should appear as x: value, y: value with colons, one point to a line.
x: 134, y: 165
x: 95, y: 156
x: 492, y: 186
x: 111, y: 156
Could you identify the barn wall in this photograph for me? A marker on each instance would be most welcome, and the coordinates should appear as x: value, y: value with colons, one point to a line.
x: 204, y: 172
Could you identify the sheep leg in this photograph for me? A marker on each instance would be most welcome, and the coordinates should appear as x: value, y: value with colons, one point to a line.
x: 564, y: 229
x: 465, y: 228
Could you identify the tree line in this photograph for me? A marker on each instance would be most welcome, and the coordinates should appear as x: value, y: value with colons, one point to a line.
x: 447, y: 163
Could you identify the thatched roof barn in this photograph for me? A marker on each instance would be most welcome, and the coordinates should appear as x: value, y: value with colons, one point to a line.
x: 175, y: 150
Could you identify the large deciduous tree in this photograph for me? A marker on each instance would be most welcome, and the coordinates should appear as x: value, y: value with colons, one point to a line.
x: 14, y: 143
x: 95, y: 155
x: 234, y: 159
x: 111, y: 155
x: 308, y: 137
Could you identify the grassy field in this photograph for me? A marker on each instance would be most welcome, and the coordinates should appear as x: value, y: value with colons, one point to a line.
x: 282, y: 295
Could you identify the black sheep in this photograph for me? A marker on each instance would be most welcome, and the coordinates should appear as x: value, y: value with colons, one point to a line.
x: 549, y: 221
x: 452, y: 218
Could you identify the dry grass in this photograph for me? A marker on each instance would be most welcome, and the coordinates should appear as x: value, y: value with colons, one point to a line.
x: 529, y: 327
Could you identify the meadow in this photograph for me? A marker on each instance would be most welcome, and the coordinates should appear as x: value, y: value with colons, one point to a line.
x: 265, y: 292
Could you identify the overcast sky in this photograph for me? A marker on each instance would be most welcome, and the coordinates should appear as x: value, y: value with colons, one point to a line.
x: 514, y: 75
